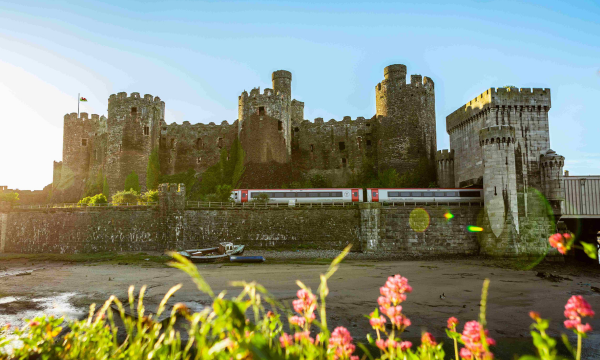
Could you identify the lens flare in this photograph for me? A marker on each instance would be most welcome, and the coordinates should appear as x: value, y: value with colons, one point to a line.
x: 448, y: 215
x: 472, y: 228
x: 419, y: 220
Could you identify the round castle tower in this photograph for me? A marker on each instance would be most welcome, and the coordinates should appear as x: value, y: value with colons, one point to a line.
x: 551, y: 169
x: 134, y: 131
x: 499, y: 182
x: 406, y: 115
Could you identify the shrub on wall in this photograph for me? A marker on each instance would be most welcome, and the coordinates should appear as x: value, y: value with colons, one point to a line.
x: 130, y: 197
x: 132, y: 182
x: 150, y: 196
x: 11, y: 197
x: 93, y: 200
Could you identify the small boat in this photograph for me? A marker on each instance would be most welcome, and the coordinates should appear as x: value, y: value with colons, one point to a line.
x: 247, y: 259
x: 213, y: 254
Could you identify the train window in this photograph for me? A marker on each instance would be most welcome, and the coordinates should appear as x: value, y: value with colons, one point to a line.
x: 393, y: 194
x: 404, y: 194
x: 336, y: 194
x: 468, y: 194
x: 279, y: 195
x: 416, y: 194
x: 313, y: 194
x: 439, y: 194
x: 323, y: 194
x: 290, y: 195
x: 451, y: 194
x: 302, y: 194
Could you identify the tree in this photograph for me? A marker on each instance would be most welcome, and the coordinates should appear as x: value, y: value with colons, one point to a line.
x: 95, y: 187
x: 153, y: 171
x: 132, y: 182
x: 130, y: 197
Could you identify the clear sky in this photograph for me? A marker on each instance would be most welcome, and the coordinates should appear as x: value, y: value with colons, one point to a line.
x: 199, y: 56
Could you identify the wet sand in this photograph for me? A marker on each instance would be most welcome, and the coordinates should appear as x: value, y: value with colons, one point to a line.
x: 353, y: 291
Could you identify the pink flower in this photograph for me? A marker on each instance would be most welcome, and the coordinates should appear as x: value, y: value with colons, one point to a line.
x: 381, y: 344
x: 341, y: 341
x: 577, y: 306
x: 427, y: 339
x: 270, y: 314
x: 452, y: 322
x: 405, y: 345
x: 299, y: 336
x: 377, y: 322
x: 34, y: 323
x: 576, y: 325
x: 400, y: 321
x: 305, y: 305
x: 466, y: 354
x: 286, y: 340
x: 557, y: 241
x: 297, y: 320
x: 383, y: 301
x: 471, y: 337
x: 534, y: 315
x: 395, y: 289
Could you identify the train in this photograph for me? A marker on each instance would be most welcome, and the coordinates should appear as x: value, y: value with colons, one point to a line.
x: 351, y: 195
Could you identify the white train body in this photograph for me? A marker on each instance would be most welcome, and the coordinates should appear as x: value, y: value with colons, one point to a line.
x: 299, y: 196
x: 424, y: 195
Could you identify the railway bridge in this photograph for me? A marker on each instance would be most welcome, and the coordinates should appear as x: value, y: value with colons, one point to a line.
x: 581, y: 209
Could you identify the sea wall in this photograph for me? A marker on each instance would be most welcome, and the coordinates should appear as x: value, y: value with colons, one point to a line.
x: 369, y: 227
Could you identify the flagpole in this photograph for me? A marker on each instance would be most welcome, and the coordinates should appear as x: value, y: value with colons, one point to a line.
x: 78, y: 94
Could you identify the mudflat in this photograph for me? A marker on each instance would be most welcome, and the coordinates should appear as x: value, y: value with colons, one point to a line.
x: 441, y: 288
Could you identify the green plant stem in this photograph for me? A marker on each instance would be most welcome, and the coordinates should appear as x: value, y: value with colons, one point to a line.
x: 578, y: 346
x: 455, y: 349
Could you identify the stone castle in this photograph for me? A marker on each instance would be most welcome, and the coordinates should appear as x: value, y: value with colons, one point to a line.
x: 498, y: 141
x: 270, y: 126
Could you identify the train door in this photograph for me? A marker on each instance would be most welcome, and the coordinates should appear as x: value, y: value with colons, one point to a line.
x: 244, y: 196
x: 354, y: 195
x: 375, y: 195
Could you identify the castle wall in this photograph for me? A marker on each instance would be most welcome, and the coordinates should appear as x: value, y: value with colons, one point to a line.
x: 406, y: 114
x: 334, y: 149
x: 197, y: 146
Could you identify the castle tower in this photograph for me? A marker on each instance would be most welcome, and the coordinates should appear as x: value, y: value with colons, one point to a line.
x: 282, y: 83
x: 406, y: 115
x: 499, y: 186
x: 445, y: 168
x: 551, y: 169
x: 78, y: 140
x: 133, y: 132
x: 265, y: 120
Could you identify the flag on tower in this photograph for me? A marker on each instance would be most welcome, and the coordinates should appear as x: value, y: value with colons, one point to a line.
x: 82, y: 99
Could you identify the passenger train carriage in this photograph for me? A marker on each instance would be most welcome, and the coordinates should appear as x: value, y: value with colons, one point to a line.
x: 424, y: 195
x: 299, y: 196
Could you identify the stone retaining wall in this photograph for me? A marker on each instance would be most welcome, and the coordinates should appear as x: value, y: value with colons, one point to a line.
x: 369, y: 227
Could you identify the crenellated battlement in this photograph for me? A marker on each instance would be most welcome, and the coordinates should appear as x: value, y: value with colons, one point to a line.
x: 444, y: 155
x: 83, y: 118
x: 551, y: 159
x: 319, y: 122
x: 523, y: 98
x: 134, y: 96
x: 501, y: 134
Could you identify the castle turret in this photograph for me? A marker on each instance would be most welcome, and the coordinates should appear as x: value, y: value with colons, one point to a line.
x: 282, y: 83
x: 551, y: 168
x: 445, y: 168
x: 133, y: 132
x: 406, y: 115
x: 499, y: 187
